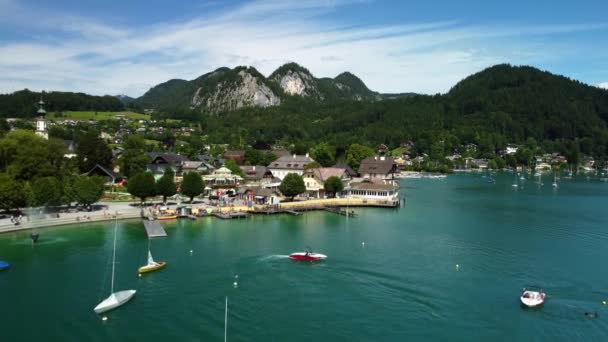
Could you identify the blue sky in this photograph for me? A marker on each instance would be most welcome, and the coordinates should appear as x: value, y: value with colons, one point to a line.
x: 114, y: 47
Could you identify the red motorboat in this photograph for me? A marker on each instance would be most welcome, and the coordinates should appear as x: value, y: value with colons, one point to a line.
x: 307, y: 256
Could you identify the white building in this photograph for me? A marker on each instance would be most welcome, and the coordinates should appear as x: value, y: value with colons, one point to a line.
x: 289, y: 164
x: 374, y: 191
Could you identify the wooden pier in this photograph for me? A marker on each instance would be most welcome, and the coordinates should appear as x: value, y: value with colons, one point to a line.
x: 230, y: 215
x: 340, y: 211
x: 154, y: 229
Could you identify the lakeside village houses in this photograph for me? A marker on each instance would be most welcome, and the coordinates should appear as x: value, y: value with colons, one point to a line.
x: 375, y: 179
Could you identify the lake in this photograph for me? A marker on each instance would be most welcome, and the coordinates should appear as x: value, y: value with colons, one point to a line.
x: 391, y: 274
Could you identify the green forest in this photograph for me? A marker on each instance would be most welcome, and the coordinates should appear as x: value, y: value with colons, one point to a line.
x: 498, y: 106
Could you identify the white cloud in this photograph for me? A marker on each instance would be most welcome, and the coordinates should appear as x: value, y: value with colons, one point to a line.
x: 603, y: 85
x: 80, y: 54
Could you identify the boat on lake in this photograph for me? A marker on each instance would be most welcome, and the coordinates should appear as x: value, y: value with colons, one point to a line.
x: 115, y: 299
x: 532, y: 298
x: 152, y: 265
x: 555, y: 185
x: 307, y: 256
x: 4, y: 265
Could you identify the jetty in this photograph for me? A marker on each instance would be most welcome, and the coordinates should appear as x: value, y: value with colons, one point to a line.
x: 230, y: 215
x: 154, y: 229
x: 340, y: 211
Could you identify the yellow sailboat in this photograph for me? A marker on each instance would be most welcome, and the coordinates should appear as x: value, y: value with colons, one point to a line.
x: 152, y: 265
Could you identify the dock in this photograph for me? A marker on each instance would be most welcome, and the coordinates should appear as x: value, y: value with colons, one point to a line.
x: 293, y: 212
x: 340, y: 211
x: 154, y: 229
x: 230, y: 215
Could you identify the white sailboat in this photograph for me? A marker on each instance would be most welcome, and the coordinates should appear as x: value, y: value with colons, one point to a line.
x: 115, y: 299
x: 539, y: 182
x: 555, y: 185
x: 515, y: 185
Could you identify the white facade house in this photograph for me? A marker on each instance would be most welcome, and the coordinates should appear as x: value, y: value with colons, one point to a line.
x: 374, y: 191
x: 289, y: 164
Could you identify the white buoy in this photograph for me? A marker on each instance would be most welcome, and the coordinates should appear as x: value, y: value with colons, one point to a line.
x: 236, y: 284
x: 457, y: 266
x: 139, y: 275
x: 236, y: 276
x: 363, y: 244
x: 191, y: 251
x: 104, y: 318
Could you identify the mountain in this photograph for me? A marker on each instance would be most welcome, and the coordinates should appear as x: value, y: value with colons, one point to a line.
x: 23, y: 103
x: 124, y: 98
x: 296, y: 80
x: 231, y: 89
x: 553, y: 104
x: 225, y: 89
x: 168, y: 93
x: 497, y: 106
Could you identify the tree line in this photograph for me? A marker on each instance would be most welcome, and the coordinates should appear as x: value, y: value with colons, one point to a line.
x: 23, y: 103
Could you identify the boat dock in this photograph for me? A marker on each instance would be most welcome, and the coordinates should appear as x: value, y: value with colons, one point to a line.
x: 231, y: 215
x: 340, y: 211
x: 300, y: 210
x: 154, y: 229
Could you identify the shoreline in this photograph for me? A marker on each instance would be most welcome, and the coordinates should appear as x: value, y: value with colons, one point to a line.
x: 125, y: 212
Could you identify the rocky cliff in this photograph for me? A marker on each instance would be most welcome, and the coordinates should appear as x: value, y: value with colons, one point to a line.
x: 234, y: 89
x: 225, y: 89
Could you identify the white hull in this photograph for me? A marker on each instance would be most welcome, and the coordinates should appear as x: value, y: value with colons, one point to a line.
x: 115, y: 300
x: 532, y: 298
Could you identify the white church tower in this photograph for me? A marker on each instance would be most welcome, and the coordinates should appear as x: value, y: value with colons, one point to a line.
x: 41, y: 121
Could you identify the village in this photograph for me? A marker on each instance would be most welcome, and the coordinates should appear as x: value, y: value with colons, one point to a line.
x: 239, y: 178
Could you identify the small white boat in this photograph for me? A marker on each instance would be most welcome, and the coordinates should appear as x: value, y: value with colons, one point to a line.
x: 115, y: 299
x: 532, y: 298
x: 555, y: 185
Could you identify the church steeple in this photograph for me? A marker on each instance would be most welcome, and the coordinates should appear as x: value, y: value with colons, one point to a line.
x: 41, y: 121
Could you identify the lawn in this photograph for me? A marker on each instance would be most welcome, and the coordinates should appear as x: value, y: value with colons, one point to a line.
x: 77, y: 115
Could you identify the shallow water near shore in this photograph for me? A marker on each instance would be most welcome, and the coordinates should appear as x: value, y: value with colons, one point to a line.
x: 391, y: 274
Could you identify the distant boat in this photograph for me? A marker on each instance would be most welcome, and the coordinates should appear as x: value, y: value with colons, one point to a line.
x: 4, y: 265
x: 539, y: 182
x: 152, y: 265
x: 555, y: 185
x: 115, y: 299
x: 168, y: 217
x: 532, y: 298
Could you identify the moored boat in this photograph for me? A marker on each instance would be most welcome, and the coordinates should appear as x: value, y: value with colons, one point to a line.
x: 115, y: 299
x: 4, y: 265
x: 168, y: 217
x: 532, y: 298
x: 152, y: 265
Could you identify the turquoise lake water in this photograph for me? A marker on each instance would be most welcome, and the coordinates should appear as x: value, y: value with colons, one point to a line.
x: 401, y: 284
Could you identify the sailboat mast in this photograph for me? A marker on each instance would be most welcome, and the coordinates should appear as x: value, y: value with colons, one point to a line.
x: 226, y: 321
x: 114, y: 253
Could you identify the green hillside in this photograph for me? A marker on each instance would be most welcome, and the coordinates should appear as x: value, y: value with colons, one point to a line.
x: 500, y: 105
